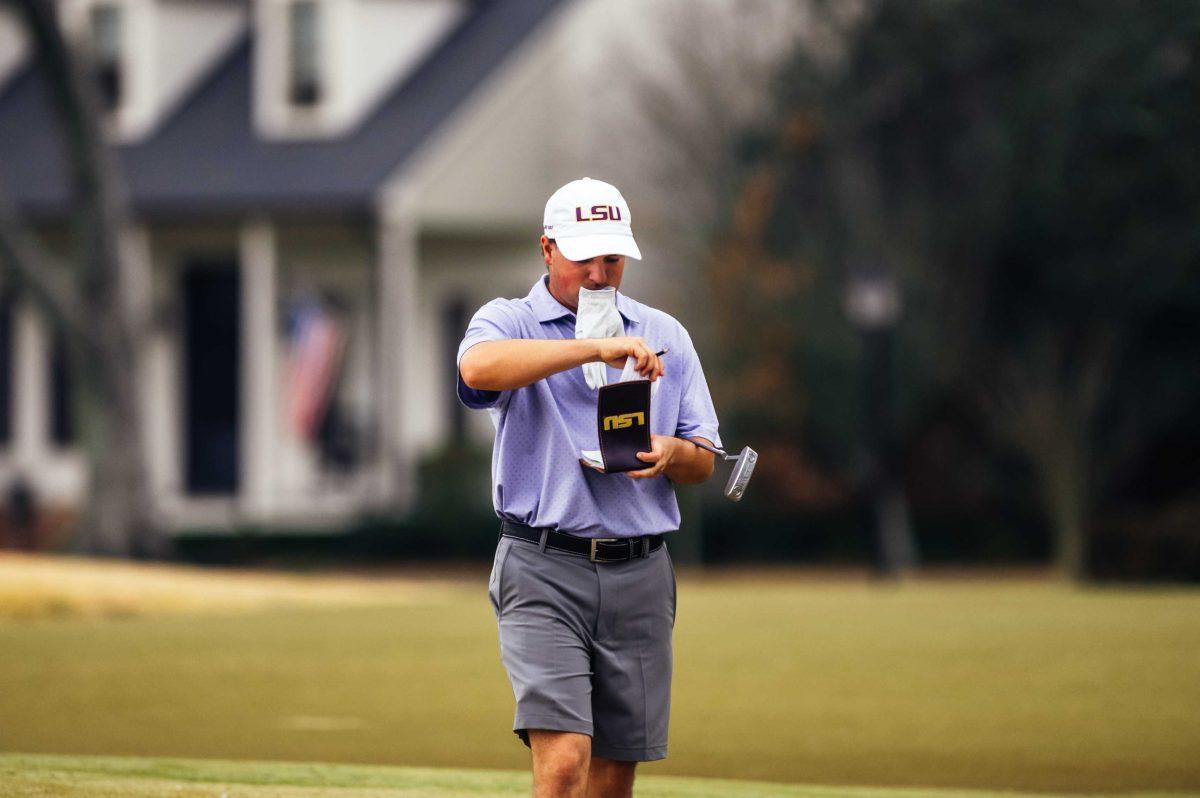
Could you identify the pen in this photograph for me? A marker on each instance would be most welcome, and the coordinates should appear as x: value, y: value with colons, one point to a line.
x: 661, y: 352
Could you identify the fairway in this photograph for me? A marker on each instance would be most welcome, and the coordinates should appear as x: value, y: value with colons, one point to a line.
x: 993, y: 685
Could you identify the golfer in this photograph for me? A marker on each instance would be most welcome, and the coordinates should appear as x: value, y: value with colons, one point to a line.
x: 582, y: 585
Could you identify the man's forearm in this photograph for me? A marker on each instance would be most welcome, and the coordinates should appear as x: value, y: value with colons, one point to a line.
x: 690, y: 464
x: 515, y: 363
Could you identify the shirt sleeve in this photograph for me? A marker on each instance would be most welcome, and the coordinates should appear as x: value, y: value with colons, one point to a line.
x: 697, y: 416
x: 495, y: 321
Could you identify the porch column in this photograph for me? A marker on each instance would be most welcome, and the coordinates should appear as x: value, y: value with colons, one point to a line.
x: 153, y: 379
x: 398, y: 303
x: 163, y: 388
x: 260, y: 394
x: 31, y: 392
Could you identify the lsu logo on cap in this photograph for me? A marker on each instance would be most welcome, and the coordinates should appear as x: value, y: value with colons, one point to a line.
x: 624, y: 420
x: 598, y: 213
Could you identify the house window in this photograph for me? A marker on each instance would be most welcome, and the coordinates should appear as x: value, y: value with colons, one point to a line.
x: 106, y: 22
x: 304, y: 53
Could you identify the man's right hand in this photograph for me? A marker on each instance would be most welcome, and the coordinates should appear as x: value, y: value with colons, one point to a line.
x: 614, y: 351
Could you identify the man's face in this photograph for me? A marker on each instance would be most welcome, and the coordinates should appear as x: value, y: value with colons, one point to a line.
x: 566, y: 276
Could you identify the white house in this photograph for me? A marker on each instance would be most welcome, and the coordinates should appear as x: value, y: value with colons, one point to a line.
x: 365, y: 173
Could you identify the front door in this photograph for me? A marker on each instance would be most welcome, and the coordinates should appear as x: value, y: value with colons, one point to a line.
x: 212, y: 335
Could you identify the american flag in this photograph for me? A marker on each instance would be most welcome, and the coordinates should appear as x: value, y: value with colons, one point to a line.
x: 314, y: 360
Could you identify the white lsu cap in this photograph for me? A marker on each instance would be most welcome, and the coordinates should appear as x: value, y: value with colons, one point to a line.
x: 587, y: 218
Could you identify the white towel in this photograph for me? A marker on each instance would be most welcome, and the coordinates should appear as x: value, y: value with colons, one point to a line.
x: 597, y: 317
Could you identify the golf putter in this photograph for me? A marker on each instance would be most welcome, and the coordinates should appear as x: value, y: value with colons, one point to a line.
x: 735, y: 488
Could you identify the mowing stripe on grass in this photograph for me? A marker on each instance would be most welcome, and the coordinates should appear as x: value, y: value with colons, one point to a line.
x: 41, y: 776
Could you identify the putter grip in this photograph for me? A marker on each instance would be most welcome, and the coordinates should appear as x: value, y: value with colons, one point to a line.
x: 623, y: 425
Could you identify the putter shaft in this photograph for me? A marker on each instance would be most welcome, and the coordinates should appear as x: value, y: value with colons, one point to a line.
x: 706, y: 447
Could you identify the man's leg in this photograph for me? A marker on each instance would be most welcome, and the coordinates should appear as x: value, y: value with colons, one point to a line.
x: 608, y: 778
x: 631, y: 660
x: 560, y: 763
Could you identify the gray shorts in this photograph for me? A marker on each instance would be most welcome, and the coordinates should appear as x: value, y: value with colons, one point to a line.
x: 587, y: 645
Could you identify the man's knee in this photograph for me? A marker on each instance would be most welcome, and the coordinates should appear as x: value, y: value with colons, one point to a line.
x: 560, y: 761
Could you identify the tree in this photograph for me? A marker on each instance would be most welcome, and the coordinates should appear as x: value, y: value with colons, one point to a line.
x: 689, y: 87
x: 87, y: 300
x: 1030, y: 170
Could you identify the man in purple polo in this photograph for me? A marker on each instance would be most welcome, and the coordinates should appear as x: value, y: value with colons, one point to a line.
x: 582, y: 584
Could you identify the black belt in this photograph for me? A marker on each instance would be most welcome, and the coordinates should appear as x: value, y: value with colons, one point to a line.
x: 595, y: 549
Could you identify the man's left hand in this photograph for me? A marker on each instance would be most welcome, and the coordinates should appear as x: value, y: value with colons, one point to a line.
x: 663, y: 449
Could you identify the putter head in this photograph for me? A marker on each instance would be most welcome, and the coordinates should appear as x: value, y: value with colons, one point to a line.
x: 742, y: 469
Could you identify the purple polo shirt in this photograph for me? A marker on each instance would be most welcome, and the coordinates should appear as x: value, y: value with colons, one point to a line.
x: 540, y: 429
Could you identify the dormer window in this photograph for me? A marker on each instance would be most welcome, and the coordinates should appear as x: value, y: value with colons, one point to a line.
x: 322, y: 66
x: 106, y: 32
x: 304, y: 53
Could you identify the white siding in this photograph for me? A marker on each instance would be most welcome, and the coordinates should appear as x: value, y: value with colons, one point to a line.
x: 14, y: 44
x: 167, y: 48
x: 191, y: 38
x: 366, y: 48
x: 390, y: 40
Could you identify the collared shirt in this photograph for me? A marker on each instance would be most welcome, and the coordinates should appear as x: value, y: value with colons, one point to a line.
x: 537, y: 478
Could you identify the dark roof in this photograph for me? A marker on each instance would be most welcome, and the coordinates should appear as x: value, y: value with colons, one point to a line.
x: 206, y: 157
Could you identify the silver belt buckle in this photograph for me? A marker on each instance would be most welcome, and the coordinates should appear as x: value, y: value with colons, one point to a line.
x: 592, y: 554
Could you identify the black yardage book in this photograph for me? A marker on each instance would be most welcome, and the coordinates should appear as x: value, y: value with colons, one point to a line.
x: 623, y: 421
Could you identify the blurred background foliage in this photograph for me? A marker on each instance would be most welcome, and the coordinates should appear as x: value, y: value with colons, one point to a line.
x: 1027, y: 174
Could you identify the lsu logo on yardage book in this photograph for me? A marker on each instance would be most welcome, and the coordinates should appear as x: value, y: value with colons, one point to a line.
x: 624, y: 420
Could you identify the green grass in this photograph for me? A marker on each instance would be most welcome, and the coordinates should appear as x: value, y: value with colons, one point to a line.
x: 991, y: 685
x: 43, y: 776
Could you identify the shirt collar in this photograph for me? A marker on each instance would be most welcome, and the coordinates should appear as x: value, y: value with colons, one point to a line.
x: 547, y: 308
